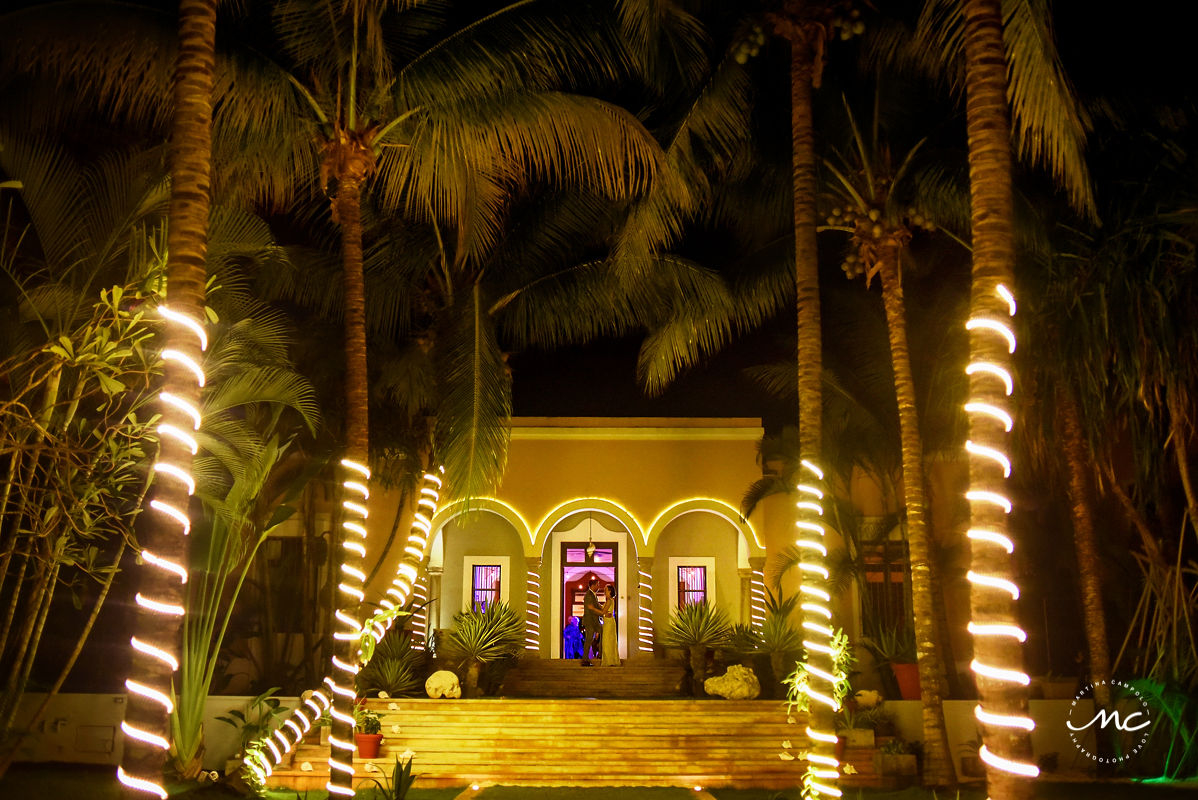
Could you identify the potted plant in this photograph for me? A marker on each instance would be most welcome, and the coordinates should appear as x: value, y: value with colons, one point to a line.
x: 862, y: 726
x: 697, y: 628
x: 483, y: 637
x: 367, y: 732
x: 897, y: 764
x: 895, y: 647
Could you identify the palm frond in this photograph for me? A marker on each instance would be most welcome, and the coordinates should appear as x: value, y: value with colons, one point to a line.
x: 1049, y: 124
x: 666, y: 42
x: 476, y: 401
x: 704, y: 142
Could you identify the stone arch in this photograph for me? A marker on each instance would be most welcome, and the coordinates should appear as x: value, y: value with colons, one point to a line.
x: 749, y: 545
x: 583, y: 504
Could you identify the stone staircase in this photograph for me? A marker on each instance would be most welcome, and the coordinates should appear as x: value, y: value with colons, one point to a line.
x: 638, y: 677
x: 580, y: 742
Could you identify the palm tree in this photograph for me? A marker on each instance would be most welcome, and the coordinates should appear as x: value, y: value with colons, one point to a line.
x: 993, y: 238
x: 870, y: 194
x: 187, y: 235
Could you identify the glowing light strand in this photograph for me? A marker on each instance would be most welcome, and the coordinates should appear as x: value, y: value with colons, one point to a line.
x: 823, y: 771
x: 645, y: 633
x: 170, y: 430
x: 341, y: 679
x: 987, y: 500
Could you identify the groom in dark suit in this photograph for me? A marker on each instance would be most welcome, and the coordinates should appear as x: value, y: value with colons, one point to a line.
x: 591, y: 610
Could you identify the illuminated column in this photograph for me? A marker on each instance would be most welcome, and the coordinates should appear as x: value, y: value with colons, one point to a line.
x: 997, y: 639
x: 160, y: 601
x: 823, y: 768
x: 757, y: 598
x: 351, y: 592
x: 532, y: 615
x: 645, y: 623
x: 434, y: 606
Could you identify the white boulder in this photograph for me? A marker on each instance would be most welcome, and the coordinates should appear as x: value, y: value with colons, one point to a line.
x: 443, y: 683
x: 738, y: 683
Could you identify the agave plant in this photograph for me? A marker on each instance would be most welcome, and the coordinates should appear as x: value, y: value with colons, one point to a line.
x: 396, y: 668
x: 480, y: 637
x: 698, y: 627
x: 779, y: 637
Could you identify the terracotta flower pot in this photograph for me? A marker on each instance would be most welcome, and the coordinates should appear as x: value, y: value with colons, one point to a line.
x: 368, y: 744
x: 907, y: 677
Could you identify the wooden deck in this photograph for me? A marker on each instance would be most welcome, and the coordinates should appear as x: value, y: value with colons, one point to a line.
x: 582, y: 742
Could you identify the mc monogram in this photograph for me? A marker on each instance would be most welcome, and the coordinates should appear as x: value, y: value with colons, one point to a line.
x: 1131, y: 728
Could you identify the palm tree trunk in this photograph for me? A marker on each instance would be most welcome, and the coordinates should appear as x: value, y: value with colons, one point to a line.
x: 989, y: 136
x: 348, y: 213
x: 937, y: 762
x: 810, y: 350
x: 187, y: 242
x: 1085, y: 544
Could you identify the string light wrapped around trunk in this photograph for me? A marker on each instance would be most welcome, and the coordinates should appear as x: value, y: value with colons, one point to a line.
x: 341, y: 681
x: 823, y: 768
x: 300, y: 721
x: 174, y: 485
x: 997, y: 638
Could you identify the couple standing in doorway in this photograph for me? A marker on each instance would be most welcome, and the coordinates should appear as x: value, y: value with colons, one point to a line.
x: 600, y: 635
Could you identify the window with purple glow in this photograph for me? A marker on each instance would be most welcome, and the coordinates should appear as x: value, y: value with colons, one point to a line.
x: 692, y: 585
x: 484, y: 586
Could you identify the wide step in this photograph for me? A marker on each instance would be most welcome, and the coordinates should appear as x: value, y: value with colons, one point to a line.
x: 635, y: 678
x: 535, y: 742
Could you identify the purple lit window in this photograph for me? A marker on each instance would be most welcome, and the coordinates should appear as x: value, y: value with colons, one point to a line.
x: 484, y: 586
x: 692, y: 585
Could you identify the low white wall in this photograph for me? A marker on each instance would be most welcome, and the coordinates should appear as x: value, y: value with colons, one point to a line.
x: 85, y: 728
x: 1050, y: 735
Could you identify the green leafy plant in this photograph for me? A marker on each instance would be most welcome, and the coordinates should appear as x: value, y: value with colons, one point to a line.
x: 482, y: 637
x: 780, y: 639
x: 698, y: 627
x: 257, y: 720
x: 842, y: 666
x: 898, y: 747
x: 395, y: 667
x: 396, y: 787
x: 894, y: 645
x: 743, y: 640
x: 366, y: 721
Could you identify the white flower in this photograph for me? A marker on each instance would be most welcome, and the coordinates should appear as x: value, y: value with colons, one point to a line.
x: 306, y: 766
x: 786, y: 743
x: 406, y: 754
x: 849, y: 769
x: 383, y: 695
x: 786, y: 757
x: 791, y: 720
x: 395, y: 729
x: 393, y: 706
x: 369, y: 767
